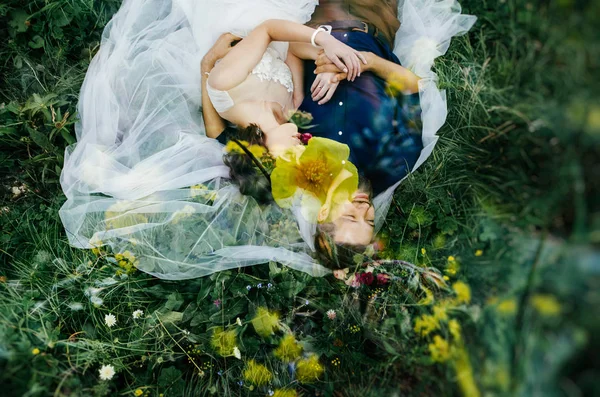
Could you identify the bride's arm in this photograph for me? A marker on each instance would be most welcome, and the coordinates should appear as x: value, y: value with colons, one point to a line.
x: 297, y: 68
x: 239, y: 62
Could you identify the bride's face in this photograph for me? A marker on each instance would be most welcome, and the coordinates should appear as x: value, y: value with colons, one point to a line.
x: 355, y: 220
x: 281, y: 138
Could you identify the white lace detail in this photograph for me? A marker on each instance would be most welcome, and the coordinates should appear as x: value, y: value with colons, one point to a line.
x: 272, y: 68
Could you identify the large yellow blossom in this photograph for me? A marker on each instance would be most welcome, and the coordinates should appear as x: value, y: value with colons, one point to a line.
x: 224, y: 342
x: 320, y: 171
x: 463, y: 292
x: 257, y: 374
x: 425, y: 324
x: 439, y: 349
x: 265, y: 322
x: 288, y: 349
x: 309, y: 369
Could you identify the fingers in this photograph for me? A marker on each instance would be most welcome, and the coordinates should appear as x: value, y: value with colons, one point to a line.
x: 323, y: 60
x: 339, y: 77
x: 320, y: 93
x: 362, y: 57
x: 329, y: 95
x: 337, y: 62
x: 329, y: 68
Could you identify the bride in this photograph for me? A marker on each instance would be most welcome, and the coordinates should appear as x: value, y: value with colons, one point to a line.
x: 144, y: 177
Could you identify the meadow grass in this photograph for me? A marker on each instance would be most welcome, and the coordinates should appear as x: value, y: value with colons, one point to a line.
x: 513, y: 177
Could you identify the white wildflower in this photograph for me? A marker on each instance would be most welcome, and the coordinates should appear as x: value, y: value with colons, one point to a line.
x: 237, y: 353
x: 137, y: 314
x: 238, y: 321
x: 107, y: 372
x: 110, y: 320
x: 331, y: 314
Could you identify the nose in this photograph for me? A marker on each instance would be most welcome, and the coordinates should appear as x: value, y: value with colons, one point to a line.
x: 362, y: 207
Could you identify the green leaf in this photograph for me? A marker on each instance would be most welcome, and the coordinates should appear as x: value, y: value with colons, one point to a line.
x: 18, y: 21
x: 36, y: 42
x: 174, y: 301
x: 171, y: 317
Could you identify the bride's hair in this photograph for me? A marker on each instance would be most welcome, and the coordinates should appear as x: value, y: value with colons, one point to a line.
x: 243, y: 168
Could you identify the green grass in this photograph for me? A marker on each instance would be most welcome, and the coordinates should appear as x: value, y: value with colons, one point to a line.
x: 514, y: 175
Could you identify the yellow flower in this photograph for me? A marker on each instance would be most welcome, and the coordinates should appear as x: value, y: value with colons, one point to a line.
x: 507, y: 307
x: 395, y: 85
x: 439, y: 349
x: 425, y: 324
x: 439, y: 312
x: 320, y: 171
x: 423, y: 251
x: 120, y: 215
x: 257, y: 374
x: 285, y: 393
x: 265, y: 322
x: 454, y: 328
x: 478, y: 253
x: 138, y: 392
x: 232, y: 146
x: 224, y: 342
x: 35, y: 351
x: 546, y: 305
x: 309, y: 369
x: 428, y: 299
x: 463, y: 292
x: 289, y: 349
x: 464, y: 374
x: 452, y: 267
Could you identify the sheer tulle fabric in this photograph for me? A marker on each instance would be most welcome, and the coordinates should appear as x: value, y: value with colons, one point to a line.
x: 143, y: 176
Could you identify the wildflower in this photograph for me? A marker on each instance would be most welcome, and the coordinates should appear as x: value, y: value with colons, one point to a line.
x: 220, y: 373
x: 365, y: 278
x: 259, y: 285
x: 423, y: 251
x: 507, y: 307
x: 439, y: 349
x: 110, y: 320
x: 217, y: 303
x: 306, y: 302
x: 285, y: 393
x: 338, y: 342
x: 319, y: 171
x: 546, y: 305
x: 289, y: 349
x: 257, y: 374
x: 236, y: 353
x: 425, y: 324
x: 269, y: 285
x: 336, y: 362
x: 138, y: 392
x: 265, y: 322
x: 240, y: 383
x: 478, y: 253
x: 35, y: 351
x: 107, y: 372
x: 341, y: 274
x: 238, y: 321
x: 439, y: 312
x: 270, y: 392
x: 309, y: 369
x: 395, y: 84
x: 463, y: 292
x: 137, y: 314
x: 354, y: 329
x: 223, y: 341
x: 428, y: 299
x: 331, y: 314
x: 454, y: 328
x: 452, y: 266
x: 248, y: 287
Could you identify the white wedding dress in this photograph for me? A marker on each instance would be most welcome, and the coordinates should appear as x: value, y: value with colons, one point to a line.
x: 144, y: 178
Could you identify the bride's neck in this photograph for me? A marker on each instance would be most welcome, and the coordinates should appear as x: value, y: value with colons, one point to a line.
x: 266, y: 119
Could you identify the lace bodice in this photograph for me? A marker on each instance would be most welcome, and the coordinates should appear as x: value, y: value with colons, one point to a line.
x: 272, y: 68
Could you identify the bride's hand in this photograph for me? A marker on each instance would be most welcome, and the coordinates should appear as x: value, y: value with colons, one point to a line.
x: 224, y: 44
x: 344, y: 57
x: 323, y: 88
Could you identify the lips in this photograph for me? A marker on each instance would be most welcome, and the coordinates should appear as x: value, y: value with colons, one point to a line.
x: 361, y: 196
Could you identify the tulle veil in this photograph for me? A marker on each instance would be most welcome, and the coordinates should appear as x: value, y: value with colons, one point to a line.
x: 144, y: 178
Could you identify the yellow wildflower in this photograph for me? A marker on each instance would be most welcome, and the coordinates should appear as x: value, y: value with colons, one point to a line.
x: 439, y: 349
x: 454, y: 328
x: 464, y: 374
x: 507, y: 307
x: 121, y: 214
x: 423, y: 251
x: 232, y: 146
x: 395, y: 84
x: 138, y: 392
x: 463, y: 292
x: 440, y: 314
x: 224, y: 342
x: 289, y: 349
x: 428, y: 299
x: 285, y: 393
x: 452, y: 267
x: 425, y: 324
x: 478, y: 253
x: 265, y: 322
x: 320, y: 171
x: 257, y: 374
x: 309, y: 369
x: 546, y: 305
x: 35, y: 351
